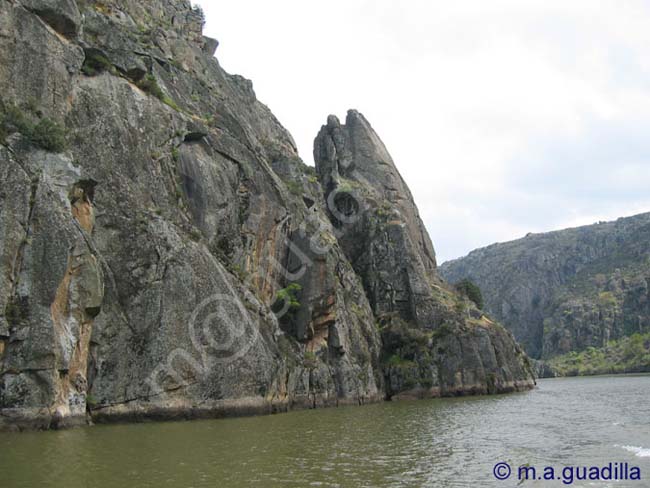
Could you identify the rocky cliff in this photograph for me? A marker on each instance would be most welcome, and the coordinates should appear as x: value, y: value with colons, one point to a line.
x: 434, y: 340
x: 569, y: 290
x: 165, y: 253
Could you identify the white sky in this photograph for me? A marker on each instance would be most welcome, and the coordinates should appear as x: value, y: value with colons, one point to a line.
x: 504, y: 116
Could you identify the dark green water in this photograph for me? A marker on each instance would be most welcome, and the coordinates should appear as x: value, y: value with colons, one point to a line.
x: 433, y: 443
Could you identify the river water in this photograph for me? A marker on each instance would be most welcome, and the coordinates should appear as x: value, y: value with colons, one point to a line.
x: 428, y: 443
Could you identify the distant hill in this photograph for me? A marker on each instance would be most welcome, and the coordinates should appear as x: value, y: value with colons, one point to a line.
x: 564, y: 292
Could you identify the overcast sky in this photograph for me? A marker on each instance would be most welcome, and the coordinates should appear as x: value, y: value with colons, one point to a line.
x: 504, y: 116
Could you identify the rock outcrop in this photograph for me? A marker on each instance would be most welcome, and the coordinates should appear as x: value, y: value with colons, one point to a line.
x: 569, y: 290
x: 435, y: 341
x: 165, y: 253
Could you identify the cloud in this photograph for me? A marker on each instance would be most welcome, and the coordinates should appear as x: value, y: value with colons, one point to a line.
x: 504, y: 117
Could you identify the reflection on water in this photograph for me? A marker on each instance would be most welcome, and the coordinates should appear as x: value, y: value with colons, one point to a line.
x: 434, y: 443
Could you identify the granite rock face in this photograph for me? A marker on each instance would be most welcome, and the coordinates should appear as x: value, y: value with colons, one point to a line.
x: 435, y: 342
x: 62, y: 15
x: 164, y: 251
x: 568, y: 290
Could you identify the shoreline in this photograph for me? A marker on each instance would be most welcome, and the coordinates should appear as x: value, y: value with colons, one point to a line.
x: 30, y: 420
x: 549, y: 372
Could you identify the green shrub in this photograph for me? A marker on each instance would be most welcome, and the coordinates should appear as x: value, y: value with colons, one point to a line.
x: 171, y: 103
x: 176, y: 64
x: 288, y: 296
x: 49, y: 135
x: 96, y: 63
x: 150, y: 85
x: 471, y: 291
x: 294, y: 187
x: 441, y: 332
x: 401, y: 340
x: 628, y: 354
x: 607, y: 299
x: 461, y: 306
x: 46, y: 133
x: 310, y: 360
x: 91, y: 401
x: 397, y: 361
x: 237, y: 270
x: 13, y: 119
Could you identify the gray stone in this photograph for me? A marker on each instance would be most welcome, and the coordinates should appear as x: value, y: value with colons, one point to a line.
x: 62, y: 15
x: 434, y: 341
x: 142, y: 269
x: 210, y: 45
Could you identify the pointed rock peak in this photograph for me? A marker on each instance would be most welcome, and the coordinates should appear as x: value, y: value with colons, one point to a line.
x: 333, y: 122
x: 354, y: 117
x: 355, y: 152
x: 352, y: 156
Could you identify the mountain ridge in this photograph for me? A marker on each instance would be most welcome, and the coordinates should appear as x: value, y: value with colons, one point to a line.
x: 566, y: 290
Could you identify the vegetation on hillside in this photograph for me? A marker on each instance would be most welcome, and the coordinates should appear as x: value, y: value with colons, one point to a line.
x: 627, y: 355
x: 569, y: 290
x: 40, y: 131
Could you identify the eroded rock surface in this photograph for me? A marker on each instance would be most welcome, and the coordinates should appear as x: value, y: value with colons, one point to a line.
x: 435, y: 342
x: 165, y: 253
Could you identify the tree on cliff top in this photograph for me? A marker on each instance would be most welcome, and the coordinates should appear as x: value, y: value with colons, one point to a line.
x: 471, y: 291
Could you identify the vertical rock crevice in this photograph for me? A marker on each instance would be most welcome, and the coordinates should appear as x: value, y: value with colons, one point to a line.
x: 77, y: 302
